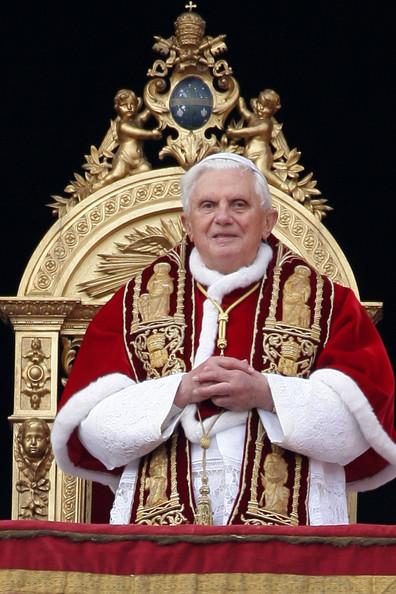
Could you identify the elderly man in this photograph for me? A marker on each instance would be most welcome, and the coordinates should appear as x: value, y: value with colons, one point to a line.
x: 229, y: 382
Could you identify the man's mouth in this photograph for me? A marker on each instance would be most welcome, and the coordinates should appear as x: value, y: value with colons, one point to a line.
x: 223, y: 236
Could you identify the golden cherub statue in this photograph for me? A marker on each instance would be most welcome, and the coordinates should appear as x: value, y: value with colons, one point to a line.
x: 258, y: 133
x: 129, y: 157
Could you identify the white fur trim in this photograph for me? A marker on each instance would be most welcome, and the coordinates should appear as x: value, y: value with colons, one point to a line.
x: 71, y: 415
x: 372, y: 430
x: 219, y: 285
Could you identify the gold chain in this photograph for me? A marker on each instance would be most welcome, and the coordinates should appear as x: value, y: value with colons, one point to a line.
x: 204, y: 515
x: 223, y: 315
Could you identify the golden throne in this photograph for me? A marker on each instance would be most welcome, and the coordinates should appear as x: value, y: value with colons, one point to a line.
x: 120, y: 213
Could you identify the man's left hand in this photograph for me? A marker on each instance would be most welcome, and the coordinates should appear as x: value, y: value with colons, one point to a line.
x: 222, y: 380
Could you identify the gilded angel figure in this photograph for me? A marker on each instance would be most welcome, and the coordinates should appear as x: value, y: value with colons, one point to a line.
x: 129, y: 132
x: 258, y: 133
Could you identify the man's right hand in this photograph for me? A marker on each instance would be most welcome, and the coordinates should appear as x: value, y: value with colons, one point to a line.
x: 229, y: 382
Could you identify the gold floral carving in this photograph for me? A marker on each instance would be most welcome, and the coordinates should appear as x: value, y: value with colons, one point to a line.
x: 312, y: 246
x: 142, y: 247
x: 70, y: 348
x: 266, y: 145
x: 76, y: 496
x: 120, y: 153
x: 69, y: 239
x: 69, y: 494
x: 35, y: 374
x: 35, y: 311
x: 34, y: 457
x: 189, y: 54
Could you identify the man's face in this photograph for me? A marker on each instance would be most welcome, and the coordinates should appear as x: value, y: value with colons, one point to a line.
x: 226, y: 221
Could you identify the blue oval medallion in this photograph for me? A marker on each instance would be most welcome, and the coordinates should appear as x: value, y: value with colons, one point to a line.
x: 191, y: 103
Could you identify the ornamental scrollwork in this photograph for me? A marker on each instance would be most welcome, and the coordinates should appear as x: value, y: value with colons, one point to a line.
x: 35, y: 374
x: 70, y: 347
x: 191, y: 92
x: 142, y: 247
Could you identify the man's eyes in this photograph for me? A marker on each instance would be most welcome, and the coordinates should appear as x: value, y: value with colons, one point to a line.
x: 207, y: 205
x: 239, y: 204
x: 236, y: 204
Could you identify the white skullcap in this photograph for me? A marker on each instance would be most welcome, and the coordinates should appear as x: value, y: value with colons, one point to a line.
x: 244, y: 161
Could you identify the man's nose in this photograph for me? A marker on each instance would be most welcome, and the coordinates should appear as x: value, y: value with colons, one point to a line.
x: 223, y: 215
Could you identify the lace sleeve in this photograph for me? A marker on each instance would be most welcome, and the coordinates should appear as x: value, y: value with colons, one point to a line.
x: 128, y: 424
x: 313, y: 419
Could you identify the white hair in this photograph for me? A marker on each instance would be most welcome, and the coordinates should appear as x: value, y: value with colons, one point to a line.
x: 224, y: 161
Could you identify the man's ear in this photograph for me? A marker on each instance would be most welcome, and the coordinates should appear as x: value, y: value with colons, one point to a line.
x: 269, y: 221
x: 187, y: 225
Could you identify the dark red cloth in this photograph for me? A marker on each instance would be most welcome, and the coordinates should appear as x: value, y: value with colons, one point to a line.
x: 366, y: 550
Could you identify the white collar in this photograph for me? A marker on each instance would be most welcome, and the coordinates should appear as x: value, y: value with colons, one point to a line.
x: 219, y: 285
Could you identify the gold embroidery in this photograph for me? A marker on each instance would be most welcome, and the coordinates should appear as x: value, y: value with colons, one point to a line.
x: 244, y: 469
x: 157, y: 480
x: 280, y: 259
x: 275, y: 496
x: 256, y: 465
x: 290, y: 345
x: 290, y: 352
x: 315, y: 329
x: 281, y: 351
x: 157, y: 349
x: 296, y: 292
x: 159, y: 509
x: 155, y: 304
x: 157, y: 336
x: 296, y: 489
x: 273, y: 504
x: 255, y: 325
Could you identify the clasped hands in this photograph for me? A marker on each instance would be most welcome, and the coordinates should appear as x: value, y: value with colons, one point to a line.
x: 230, y: 383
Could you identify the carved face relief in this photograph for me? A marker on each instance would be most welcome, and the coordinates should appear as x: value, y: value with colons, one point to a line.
x: 34, y: 438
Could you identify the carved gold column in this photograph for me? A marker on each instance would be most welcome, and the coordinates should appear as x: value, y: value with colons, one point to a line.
x: 73, y: 495
x: 40, y: 490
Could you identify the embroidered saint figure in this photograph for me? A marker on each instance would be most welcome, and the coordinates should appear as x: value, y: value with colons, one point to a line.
x: 296, y: 292
x: 275, y: 496
x: 155, y: 304
x: 157, y: 481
